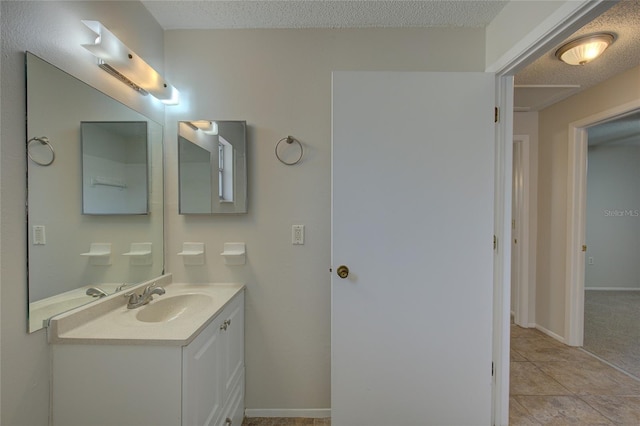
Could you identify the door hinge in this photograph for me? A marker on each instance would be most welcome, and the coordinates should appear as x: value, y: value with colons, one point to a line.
x: 492, y: 370
x: 584, y: 247
x: 495, y: 242
x: 496, y: 115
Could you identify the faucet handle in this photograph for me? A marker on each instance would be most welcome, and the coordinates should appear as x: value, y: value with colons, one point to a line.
x: 132, y: 296
x: 150, y: 287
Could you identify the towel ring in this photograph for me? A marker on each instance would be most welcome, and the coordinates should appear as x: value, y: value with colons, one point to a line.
x: 44, y: 141
x: 289, y: 140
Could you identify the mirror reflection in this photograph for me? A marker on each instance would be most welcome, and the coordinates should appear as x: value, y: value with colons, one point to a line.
x: 212, y: 167
x: 71, y: 254
x: 114, y: 167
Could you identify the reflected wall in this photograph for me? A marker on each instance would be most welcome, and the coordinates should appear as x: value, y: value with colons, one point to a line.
x: 59, y: 252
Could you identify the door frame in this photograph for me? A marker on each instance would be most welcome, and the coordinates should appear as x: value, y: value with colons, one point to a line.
x: 553, y: 30
x: 577, y: 217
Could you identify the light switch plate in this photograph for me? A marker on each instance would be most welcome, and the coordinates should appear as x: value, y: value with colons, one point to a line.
x: 39, y: 236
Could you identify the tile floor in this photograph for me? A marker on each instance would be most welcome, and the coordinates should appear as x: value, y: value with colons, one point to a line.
x: 554, y: 384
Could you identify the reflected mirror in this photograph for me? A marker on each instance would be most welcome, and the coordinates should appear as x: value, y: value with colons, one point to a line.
x: 212, y: 167
x: 114, y: 167
x: 70, y: 252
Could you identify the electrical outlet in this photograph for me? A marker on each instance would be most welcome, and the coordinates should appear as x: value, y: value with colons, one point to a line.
x: 297, y: 234
x: 591, y: 261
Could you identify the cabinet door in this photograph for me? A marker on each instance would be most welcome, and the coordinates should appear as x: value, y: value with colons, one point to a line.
x: 202, y: 382
x: 233, y: 344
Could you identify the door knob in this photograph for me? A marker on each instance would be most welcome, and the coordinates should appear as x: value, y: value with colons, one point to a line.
x: 343, y: 271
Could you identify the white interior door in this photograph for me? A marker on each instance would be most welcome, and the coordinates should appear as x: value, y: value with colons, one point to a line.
x: 413, y: 179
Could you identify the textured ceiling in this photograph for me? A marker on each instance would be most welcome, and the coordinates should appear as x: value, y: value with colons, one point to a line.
x: 623, y: 20
x: 539, y: 85
x: 214, y: 14
x: 622, y: 131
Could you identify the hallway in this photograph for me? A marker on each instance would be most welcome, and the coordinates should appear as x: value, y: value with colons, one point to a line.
x: 554, y: 384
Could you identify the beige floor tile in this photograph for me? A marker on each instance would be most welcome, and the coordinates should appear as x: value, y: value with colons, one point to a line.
x: 561, y: 410
x: 257, y: 421
x: 516, y: 357
x: 518, y: 332
x: 519, y: 416
x: 622, y: 410
x: 548, y: 350
x: 590, y: 378
x: 528, y: 379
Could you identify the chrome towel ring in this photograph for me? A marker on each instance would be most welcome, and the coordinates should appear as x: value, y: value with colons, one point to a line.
x: 44, y: 141
x: 290, y: 140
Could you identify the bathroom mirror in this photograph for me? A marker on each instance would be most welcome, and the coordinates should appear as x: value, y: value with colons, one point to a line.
x: 114, y: 167
x: 68, y: 251
x: 212, y: 167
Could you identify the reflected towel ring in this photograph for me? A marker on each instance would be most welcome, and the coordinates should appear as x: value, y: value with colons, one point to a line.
x: 289, y: 140
x: 44, y: 141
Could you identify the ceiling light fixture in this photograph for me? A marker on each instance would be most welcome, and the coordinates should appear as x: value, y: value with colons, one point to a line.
x: 584, y: 49
x: 120, y: 61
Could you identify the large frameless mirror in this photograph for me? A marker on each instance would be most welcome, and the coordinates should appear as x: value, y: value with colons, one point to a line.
x: 212, y: 163
x: 75, y: 258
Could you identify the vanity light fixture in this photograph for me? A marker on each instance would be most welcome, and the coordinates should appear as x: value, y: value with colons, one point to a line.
x: 120, y: 61
x: 583, y: 50
x: 208, y: 127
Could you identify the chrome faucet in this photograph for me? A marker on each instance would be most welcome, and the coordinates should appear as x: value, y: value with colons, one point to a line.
x: 135, y: 300
x: 96, y: 292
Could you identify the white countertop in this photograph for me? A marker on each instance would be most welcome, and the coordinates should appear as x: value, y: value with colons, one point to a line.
x: 110, y: 322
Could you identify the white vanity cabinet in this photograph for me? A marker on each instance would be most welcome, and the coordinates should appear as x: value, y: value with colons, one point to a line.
x: 217, y: 352
x: 122, y: 384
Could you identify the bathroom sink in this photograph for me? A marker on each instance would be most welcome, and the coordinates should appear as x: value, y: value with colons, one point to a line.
x: 169, y: 308
x: 174, y: 318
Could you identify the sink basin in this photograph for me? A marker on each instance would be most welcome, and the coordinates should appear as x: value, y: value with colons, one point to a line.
x: 169, y: 308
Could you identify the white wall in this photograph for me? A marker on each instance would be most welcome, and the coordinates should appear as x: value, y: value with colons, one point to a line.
x: 53, y: 31
x: 56, y: 193
x: 513, y: 23
x: 613, y: 216
x: 526, y: 123
x: 280, y: 82
x: 552, y: 187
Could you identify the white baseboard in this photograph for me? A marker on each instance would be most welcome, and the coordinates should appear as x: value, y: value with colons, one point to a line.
x: 551, y: 334
x: 613, y: 288
x: 314, y: 413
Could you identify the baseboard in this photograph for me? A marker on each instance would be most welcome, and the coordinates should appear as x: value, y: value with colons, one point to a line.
x: 613, y: 288
x: 314, y: 413
x: 551, y: 334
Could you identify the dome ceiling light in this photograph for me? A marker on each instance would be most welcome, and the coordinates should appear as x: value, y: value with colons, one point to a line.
x: 584, y: 49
